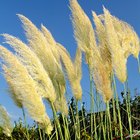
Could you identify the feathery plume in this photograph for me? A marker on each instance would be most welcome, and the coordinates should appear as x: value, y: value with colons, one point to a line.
x: 127, y: 37
x: 52, y: 45
x: 48, y: 35
x: 61, y: 103
x: 5, y: 121
x: 51, y: 42
x: 102, y: 80
x: 38, y: 43
x: 78, y: 63
x: 84, y: 32
x: 117, y: 55
x: 42, y: 80
x: 86, y: 40
x: 73, y: 70
x: 26, y: 89
x: 102, y: 43
x: 12, y: 90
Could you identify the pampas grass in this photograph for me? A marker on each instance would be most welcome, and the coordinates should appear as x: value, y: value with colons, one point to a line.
x: 38, y: 43
x: 35, y: 68
x: 118, y: 59
x: 25, y: 88
x: 73, y: 70
x: 83, y: 31
x: 5, y: 121
x: 40, y: 68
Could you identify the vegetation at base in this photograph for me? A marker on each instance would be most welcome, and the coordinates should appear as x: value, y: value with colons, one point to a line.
x: 40, y: 69
x: 19, y: 131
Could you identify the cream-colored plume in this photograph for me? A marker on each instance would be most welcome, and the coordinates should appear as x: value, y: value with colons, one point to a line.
x: 42, y: 48
x: 118, y: 59
x: 5, y: 121
x: 102, y: 80
x: 61, y: 103
x: 30, y: 60
x: 84, y: 32
x: 12, y: 89
x: 25, y: 88
x: 86, y: 40
x: 128, y: 39
x: 51, y: 42
x: 73, y: 70
x: 127, y: 36
x: 39, y: 44
x: 102, y: 43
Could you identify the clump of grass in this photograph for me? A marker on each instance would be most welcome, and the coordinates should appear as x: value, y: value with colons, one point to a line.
x: 40, y: 68
x: 25, y: 88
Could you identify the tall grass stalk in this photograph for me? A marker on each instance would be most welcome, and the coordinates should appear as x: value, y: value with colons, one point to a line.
x: 103, y: 126
x: 40, y: 135
x: 127, y: 98
x: 56, y: 132
x: 67, y: 125
x: 114, y: 115
x: 91, y: 101
x: 66, y: 130
x: 11, y: 137
x: 100, y: 114
x: 109, y: 119
x: 24, y: 117
x: 117, y: 105
x: 77, y: 122
x: 73, y: 117
x: 95, y: 126
x: 106, y: 127
x: 83, y: 119
x: 138, y: 64
x: 114, y: 109
x: 57, y: 121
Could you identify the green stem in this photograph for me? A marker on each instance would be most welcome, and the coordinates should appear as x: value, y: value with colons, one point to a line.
x: 56, y: 132
x: 103, y: 127
x: 57, y: 121
x: 11, y: 137
x: 24, y: 116
x: 109, y: 120
x: 91, y: 102
x: 138, y: 64
x: 65, y: 127
x: 118, y: 107
x: 128, y: 110
x: 40, y: 132
x: 114, y: 109
x: 66, y: 120
x: 77, y: 122
x: 95, y: 128
x: 83, y: 120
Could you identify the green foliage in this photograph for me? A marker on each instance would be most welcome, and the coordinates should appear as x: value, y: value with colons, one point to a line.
x: 19, y: 131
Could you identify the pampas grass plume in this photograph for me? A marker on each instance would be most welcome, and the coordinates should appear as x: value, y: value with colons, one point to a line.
x: 73, y: 70
x: 26, y: 89
x: 5, y: 121
x: 35, y: 68
x: 117, y: 56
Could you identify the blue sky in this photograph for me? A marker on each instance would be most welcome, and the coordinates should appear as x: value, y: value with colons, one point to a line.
x: 55, y: 15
